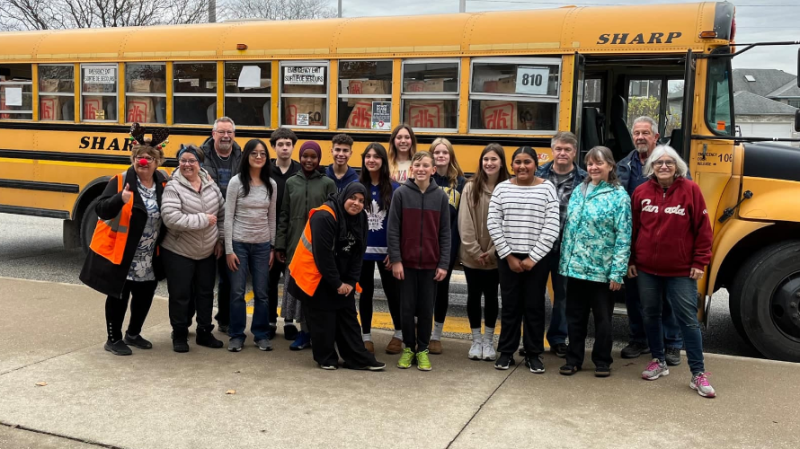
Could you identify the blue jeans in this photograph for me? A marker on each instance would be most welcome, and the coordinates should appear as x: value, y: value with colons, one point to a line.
x: 557, y: 332
x: 672, y: 331
x: 681, y: 293
x: 253, y: 257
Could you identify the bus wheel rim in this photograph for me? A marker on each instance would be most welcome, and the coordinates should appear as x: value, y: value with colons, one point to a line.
x: 785, y: 306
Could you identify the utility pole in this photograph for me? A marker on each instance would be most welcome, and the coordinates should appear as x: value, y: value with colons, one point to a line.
x: 462, y: 5
x: 340, y: 9
x: 212, y: 11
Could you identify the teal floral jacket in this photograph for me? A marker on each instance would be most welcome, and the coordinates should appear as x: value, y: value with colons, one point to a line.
x: 597, y: 235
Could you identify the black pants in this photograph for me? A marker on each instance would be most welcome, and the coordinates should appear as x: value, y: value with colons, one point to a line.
x: 142, y: 294
x: 367, y: 282
x: 523, y: 303
x: 584, y: 297
x: 338, y: 328
x: 482, y: 282
x: 272, y: 299
x: 223, y: 293
x: 187, y: 278
x: 443, y: 296
x: 417, y: 292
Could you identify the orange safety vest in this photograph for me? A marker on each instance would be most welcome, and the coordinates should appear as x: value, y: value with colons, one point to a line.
x: 110, y: 236
x: 302, y: 267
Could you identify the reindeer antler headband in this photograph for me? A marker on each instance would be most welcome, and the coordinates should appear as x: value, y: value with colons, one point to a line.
x: 159, y: 136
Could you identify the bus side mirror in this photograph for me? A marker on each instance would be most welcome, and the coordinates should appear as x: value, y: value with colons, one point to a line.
x: 797, y: 121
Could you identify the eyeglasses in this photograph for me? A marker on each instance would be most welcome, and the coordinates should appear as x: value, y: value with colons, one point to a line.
x: 188, y: 161
x: 148, y: 159
x: 224, y: 132
x: 258, y: 155
x: 668, y: 164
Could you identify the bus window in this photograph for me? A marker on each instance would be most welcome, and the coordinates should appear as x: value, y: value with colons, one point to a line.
x: 674, y: 108
x: 718, y: 103
x: 16, y: 92
x: 195, y: 93
x: 57, y: 92
x: 430, y: 94
x: 248, y: 88
x: 361, y: 83
x: 519, y: 94
x: 593, y: 92
x: 304, y: 93
x: 99, y: 92
x: 146, y: 92
x: 644, y: 98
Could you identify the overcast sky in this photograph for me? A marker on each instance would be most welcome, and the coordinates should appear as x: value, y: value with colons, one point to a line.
x: 756, y: 20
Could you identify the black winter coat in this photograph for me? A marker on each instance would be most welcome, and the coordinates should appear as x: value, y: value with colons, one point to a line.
x: 338, y: 261
x: 98, y: 272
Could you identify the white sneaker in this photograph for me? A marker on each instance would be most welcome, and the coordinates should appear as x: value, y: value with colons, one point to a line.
x: 476, y: 351
x: 489, y: 353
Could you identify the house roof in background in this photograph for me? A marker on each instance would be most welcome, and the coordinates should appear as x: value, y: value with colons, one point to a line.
x: 790, y: 89
x: 747, y: 103
x: 766, y: 81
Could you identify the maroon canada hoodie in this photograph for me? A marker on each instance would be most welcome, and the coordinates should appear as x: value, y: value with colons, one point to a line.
x: 671, y: 231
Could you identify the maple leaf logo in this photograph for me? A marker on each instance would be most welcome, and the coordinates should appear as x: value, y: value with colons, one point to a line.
x: 375, y: 216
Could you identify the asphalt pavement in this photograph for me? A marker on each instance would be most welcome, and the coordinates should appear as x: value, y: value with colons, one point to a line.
x: 60, y: 389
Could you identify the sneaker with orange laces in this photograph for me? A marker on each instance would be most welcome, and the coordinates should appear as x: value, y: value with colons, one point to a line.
x: 700, y: 384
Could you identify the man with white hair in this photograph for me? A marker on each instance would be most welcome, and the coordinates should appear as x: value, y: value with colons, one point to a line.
x: 630, y: 172
x: 223, y: 156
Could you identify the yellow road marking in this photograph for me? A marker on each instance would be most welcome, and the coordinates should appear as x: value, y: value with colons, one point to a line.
x: 383, y: 320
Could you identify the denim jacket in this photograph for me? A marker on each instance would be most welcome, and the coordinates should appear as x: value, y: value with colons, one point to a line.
x: 597, y: 237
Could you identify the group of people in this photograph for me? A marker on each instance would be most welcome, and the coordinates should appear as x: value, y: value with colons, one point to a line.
x: 227, y: 212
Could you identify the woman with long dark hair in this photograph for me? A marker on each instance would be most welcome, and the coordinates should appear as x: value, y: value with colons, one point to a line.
x: 251, y: 196
x: 477, y: 252
x: 524, y: 253
x: 376, y: 179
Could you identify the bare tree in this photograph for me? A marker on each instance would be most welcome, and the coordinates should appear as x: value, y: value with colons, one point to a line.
x: 278, y: 9
x: 59, y: 14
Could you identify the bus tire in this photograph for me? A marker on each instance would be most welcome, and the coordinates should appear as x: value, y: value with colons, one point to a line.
x: 88, y: 223
x: 765, y: 300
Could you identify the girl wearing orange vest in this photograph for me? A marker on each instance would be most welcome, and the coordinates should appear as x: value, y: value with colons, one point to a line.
x: 124, y: 257
x: 324, y: 273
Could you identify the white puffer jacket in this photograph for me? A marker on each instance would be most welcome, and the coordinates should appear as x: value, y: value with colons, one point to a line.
x: 184, y: 210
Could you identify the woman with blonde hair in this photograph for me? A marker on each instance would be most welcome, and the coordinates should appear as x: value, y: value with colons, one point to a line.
x: 130, y: 204
x: 402, y: 146
x: 450, y: 178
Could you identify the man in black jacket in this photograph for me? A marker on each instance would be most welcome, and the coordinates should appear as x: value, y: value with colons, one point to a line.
x: 284, y: 167
x: 222, y: 158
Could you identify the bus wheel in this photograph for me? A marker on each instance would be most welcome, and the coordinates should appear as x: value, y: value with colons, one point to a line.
x: 88, y: 222
x: 765, y: 299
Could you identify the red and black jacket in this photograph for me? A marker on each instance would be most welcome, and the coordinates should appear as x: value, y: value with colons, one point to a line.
x: 671, y: 231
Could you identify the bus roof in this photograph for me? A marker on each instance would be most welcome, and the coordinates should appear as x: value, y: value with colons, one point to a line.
x: 664, y: 28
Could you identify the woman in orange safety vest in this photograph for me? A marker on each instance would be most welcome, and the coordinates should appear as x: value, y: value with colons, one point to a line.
x: 123, y: 260
x: 324, y: 273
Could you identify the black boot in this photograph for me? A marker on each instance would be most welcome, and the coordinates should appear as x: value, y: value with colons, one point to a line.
x: 207, y: 339
x: 180, y: 341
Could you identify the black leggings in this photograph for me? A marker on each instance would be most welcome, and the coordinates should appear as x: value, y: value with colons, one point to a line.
x: 390, y: 289
x: 443, y: 296
x: 142, y: 293
x: 482, y: 282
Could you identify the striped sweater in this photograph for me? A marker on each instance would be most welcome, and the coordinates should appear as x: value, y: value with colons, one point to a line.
x: 524, y: 219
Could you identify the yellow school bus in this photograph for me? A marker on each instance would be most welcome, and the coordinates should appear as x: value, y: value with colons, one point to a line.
x: 67, y: 99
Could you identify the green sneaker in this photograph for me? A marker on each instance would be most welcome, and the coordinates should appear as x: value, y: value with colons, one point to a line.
x: 423, y: 362
x: 406, y: 359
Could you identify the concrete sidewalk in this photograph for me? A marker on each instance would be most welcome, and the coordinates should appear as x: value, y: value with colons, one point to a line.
x: 54, y: 334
